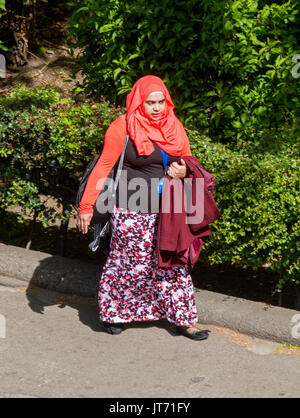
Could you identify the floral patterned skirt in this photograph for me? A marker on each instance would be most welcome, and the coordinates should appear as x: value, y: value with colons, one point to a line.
x: 132, y: 286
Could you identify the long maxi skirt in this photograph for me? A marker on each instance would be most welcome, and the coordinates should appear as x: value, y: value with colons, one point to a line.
x: 132, y: 286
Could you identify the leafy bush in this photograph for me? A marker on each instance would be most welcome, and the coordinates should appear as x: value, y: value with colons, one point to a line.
x: 228, y: 64
x: 258, y: 195
x: 21, y: 98
x: 2, y: 7
x: 45, y: 143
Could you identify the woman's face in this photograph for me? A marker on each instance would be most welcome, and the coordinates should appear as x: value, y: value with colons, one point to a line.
x: 154, y: 105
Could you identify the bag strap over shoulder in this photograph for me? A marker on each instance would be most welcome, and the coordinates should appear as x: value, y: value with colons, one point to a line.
x: 120, y: 164
x: 100, y: 231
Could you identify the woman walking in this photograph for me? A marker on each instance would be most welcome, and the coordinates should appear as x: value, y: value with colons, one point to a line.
x: 133, y: 287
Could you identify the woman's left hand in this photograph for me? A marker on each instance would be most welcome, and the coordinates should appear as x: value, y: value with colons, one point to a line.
x: 177, y: 170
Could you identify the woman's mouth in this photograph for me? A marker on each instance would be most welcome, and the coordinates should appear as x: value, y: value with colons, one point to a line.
x: 155, y: 115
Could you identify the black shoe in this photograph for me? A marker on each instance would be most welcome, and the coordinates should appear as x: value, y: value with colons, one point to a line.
x: 113, y: 328
x: 194, y: 335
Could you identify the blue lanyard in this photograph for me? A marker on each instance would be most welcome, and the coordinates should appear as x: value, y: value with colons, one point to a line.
x: 165, y: 161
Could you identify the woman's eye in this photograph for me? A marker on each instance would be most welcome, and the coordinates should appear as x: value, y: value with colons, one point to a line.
x: 152, y: 103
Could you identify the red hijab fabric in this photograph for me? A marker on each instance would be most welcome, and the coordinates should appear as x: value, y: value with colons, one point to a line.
x: 167, y: 132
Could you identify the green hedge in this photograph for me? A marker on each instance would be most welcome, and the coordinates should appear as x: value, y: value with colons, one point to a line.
x: 258, y: 195
x: 2, y: 46
x: 228, y: 64
x: 46, y: 141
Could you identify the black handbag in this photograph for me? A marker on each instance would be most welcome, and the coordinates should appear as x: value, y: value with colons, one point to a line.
x: 106, y: 199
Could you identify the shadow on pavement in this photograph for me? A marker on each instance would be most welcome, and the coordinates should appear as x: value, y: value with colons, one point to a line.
x: 59, y: 281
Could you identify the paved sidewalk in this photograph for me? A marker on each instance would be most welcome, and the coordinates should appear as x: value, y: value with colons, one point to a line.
x: 76, y: 277
x: 55, y: 346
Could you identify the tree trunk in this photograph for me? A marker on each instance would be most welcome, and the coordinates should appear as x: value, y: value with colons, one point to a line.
x: 17, y: 29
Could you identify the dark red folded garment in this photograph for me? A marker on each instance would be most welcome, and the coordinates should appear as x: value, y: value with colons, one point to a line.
x: 181, y: 231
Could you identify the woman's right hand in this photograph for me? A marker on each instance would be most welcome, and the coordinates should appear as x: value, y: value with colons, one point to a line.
x: 83, y: 221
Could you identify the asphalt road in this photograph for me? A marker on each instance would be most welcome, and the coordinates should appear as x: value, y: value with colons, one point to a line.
x: 53, y: 346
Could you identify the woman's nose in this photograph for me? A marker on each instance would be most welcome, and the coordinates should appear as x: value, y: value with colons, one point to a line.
x: 156, y: 106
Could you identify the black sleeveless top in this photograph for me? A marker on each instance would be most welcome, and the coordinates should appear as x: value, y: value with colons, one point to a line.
x: 137, y: 189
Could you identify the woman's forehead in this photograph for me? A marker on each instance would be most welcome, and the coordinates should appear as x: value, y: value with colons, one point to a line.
x: 156, y: 95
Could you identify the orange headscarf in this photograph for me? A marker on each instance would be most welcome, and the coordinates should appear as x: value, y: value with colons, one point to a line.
x: 167, y: 132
